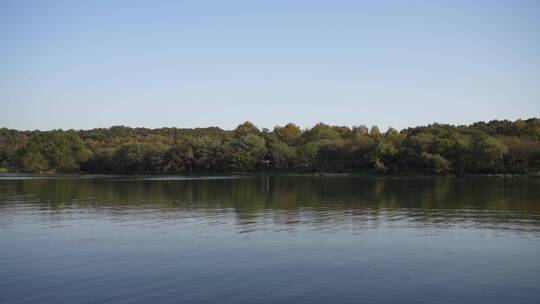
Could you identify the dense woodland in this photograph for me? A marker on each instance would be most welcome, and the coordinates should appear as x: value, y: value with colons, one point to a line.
x: 499, y: 146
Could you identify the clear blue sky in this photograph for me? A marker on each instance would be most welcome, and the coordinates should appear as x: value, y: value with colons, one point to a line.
x: 86, y: 64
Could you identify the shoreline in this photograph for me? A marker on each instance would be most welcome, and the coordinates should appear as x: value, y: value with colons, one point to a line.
x: 270, y: 174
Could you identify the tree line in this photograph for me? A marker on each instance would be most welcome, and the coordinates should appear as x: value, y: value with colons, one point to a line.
x: 498, y: 146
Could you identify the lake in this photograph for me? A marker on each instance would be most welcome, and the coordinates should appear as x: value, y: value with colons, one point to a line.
x: 269, y: 239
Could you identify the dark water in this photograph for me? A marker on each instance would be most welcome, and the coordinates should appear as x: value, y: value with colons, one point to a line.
x: 269, y: 240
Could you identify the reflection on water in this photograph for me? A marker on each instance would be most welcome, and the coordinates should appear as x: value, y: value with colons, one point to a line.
x: 317, y: 201
x: 103, y: 239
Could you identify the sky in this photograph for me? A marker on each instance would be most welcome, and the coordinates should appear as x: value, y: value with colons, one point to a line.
x: 88, y: 64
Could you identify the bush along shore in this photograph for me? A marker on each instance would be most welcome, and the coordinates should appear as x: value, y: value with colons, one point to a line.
x: 498, y: 147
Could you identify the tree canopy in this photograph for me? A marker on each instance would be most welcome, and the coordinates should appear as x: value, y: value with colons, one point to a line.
x: 498, y: 146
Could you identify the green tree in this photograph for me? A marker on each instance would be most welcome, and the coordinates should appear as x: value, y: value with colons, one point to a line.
x: 383, y: 155
x: 307, y: 155
x: 435, y: 163
x: 58, y: 150
x: 245, y: 129
x: 321, y: 132
x: 483, y: 147
x: 487, y: 154
x: 248, y: 153
x: 35, y: 161
x: 5, y: 157
x: 179, y: 159
x: 129, y: 158
x: 280, y: 155
x: 289, y: 134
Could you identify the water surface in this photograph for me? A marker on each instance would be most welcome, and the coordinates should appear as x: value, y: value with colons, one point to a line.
x: 280, y: 239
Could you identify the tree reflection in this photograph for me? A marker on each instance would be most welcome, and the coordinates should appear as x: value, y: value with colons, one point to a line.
x: 289, y: 200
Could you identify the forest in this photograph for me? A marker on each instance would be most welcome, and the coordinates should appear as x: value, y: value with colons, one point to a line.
x: 495, y: 147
